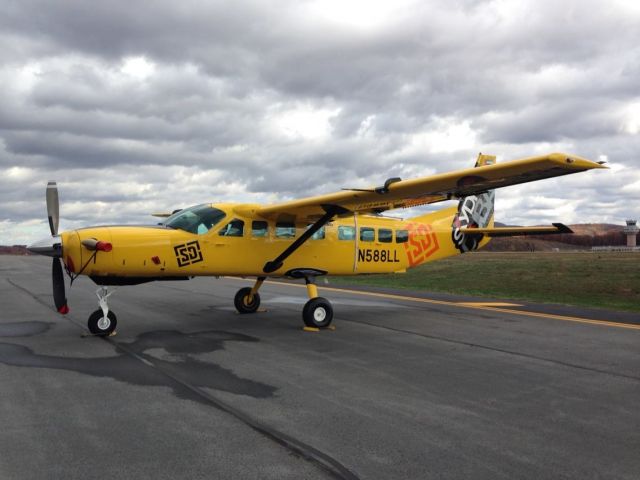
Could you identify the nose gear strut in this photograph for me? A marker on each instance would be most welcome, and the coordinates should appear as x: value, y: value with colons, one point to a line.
x: 102, y: 322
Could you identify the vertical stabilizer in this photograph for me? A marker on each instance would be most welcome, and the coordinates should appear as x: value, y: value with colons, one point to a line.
x: 473, y: 211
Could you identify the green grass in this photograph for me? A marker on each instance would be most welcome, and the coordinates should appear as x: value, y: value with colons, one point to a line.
x: 603, y: 279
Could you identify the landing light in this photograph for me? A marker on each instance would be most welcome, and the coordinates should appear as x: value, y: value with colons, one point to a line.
x: 93, y: 244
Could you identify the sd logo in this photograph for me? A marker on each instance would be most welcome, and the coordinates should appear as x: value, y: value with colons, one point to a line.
x: 423, y: 243
x: 188, y: 253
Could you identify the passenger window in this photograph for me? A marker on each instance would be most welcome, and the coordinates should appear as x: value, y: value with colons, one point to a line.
x: 385, y: 235
x: 234, y: 228
x: 402, y: 236
x: 319, y: 235
x: 346, y: 233
x: 285, y: 230
x: 367, y: 234
x: 259, y: 228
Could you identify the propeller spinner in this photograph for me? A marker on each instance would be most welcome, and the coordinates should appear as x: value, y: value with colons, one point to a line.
x: 52, y: 247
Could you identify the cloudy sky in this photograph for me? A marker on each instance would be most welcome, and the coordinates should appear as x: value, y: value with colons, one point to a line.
x: 135, y: 107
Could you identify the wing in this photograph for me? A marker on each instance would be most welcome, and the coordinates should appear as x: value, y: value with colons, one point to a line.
x: 396, y: 193
x: 518, y: 231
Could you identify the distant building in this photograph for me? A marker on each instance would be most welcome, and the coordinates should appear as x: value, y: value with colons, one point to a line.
x: 631, y: 230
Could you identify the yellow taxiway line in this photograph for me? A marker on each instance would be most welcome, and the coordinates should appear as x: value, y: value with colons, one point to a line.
x: 489, y: 306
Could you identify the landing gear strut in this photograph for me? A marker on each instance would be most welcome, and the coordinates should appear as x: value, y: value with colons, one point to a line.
x: 102, y: 322
x: 317, y: 312
x: 247, y: 300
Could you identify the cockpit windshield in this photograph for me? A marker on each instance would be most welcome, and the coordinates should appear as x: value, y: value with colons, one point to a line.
x: 199, y: 219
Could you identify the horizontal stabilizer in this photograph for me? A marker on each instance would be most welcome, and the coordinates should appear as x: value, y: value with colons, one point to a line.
x: 517, y: 231
x: 161, y: 215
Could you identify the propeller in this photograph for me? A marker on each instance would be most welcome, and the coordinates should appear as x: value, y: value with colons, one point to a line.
x: 57, y: 276
x: 59, y: 294
x: 52, y: 247
x: 53, y: 207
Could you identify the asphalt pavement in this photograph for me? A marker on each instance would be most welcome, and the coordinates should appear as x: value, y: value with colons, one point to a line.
x: 408, y: 386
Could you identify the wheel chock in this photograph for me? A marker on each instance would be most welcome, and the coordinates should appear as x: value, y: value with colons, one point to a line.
x: 314, y: 329
x: 87, y: 335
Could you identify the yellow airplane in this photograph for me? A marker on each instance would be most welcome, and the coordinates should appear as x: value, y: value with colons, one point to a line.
x: 341, y: 233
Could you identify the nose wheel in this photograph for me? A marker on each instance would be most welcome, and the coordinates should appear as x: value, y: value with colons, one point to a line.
x: 102, y: 322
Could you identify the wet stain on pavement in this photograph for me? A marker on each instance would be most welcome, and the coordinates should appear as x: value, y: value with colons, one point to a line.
x: 153, y: 371
x: 23, y: 329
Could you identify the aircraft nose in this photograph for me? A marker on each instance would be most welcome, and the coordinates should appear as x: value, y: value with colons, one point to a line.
x: 50, y: 246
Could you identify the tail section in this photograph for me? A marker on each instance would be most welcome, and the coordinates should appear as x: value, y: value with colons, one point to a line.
x: 473, y: 211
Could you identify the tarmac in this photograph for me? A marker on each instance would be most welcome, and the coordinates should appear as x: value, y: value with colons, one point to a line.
x: 409, y: 385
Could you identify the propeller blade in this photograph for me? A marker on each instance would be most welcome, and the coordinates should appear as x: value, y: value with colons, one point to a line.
x: 53, y: 208
x: 59, y: 295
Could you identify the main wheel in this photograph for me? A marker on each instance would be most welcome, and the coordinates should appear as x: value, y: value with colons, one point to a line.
x: 245, y: 302
x: 317, y: 313
x: 100, y: 325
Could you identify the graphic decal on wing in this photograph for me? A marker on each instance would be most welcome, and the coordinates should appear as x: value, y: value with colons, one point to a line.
x: 473, y: 211
x: 422, y: 243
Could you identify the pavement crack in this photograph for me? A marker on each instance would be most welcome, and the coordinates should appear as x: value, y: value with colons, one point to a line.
x: 31, y: 294
x: 303, y: 450
x: 300, y: 449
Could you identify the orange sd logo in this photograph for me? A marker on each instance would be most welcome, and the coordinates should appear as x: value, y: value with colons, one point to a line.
x: 422, y: 243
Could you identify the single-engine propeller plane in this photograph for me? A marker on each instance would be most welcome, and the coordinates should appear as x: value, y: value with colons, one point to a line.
x: 341, y: 233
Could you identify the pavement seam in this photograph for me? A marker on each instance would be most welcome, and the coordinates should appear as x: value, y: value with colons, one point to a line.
x: 31, y: 294
x: 307, y: 452
x: 299, y: 448
x: 460, y: 342
x: 500, y: 350
x: 467, y: 305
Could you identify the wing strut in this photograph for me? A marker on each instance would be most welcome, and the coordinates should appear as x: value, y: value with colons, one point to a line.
x: 331, y: 211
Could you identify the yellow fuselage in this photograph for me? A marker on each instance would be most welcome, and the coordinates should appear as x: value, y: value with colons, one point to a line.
x: 346, y: 246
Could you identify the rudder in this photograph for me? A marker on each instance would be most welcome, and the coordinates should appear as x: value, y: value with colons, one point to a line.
x: 473, y: 211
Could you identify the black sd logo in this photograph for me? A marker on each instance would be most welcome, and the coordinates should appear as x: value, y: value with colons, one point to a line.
x: 188, y: 253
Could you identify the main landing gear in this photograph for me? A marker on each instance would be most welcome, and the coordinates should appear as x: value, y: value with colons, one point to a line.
x: 317, y: 312
x: 247, y: 300
x: 102, y: 322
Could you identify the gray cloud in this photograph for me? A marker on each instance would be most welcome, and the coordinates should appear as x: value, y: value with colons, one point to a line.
x: 132, y: 106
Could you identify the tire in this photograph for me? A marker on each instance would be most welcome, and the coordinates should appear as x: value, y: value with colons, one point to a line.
x: 317, y: 313
x: 241, y: 301
x: 100, y: 326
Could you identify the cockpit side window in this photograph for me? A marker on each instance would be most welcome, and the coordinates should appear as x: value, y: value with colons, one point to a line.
x: 259, y: 228
x: 199, y: 219
x: 235, y: 228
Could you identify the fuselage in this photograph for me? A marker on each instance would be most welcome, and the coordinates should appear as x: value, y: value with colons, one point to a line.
x: 228, y: 239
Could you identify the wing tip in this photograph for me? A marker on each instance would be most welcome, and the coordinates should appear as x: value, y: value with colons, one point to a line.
x: 574, y: 161
x: 562, y: 228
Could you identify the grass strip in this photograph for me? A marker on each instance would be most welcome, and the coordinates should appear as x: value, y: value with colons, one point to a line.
x: 594, y: 279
